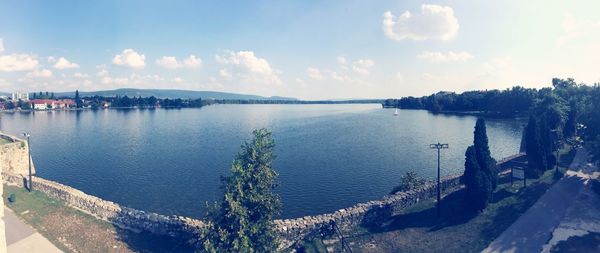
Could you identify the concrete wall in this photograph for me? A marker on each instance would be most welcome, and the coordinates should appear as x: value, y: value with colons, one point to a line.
x: 14, y: 156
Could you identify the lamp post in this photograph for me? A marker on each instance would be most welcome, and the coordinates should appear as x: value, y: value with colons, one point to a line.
x: 27, y: 135
x: 438, y: 146
x: 558, y: 143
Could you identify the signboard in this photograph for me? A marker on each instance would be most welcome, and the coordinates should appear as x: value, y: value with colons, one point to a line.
x: 518, y: 173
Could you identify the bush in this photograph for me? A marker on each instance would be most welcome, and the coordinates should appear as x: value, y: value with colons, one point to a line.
x: 408, y: 181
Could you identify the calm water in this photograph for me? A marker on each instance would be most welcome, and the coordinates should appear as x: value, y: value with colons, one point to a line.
x: 169, y: 161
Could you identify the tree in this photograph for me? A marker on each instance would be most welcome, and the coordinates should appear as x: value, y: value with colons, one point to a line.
x: 243, y: 220
x: 478, y: 187
x: 487, y: 164
x: 480, y: 176
x: 78, y: 102
x: 535, y: 156
x: 408, y: 181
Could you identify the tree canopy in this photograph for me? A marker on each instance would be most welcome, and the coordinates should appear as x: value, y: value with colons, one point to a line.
x: 243, y: 220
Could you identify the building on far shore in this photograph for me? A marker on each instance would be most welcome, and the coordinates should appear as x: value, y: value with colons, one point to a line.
x: 19, y: 96
x: 45, y: 104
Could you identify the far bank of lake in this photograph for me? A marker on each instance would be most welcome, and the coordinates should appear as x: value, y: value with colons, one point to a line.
x: 169, y: 160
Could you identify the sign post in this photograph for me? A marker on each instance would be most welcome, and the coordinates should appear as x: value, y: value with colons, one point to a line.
x: 518, y: 173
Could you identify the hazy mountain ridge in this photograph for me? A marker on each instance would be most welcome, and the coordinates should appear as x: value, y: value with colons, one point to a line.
x: 169, y: 93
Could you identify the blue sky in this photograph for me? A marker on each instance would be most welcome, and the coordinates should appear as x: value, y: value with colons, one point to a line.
x: 304, y: 49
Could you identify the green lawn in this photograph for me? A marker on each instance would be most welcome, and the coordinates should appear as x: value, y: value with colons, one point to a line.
x: 74, y: 231
x: 418, y: 229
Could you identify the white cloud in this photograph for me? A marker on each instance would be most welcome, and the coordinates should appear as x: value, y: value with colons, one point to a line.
x: 44, y: 73
x: 362, y: 66
x: 81, y: 75
x: 575, y: 28
x: 434, y: 22
x: 130, y: 58
x: 178, y: 80
x: 223, y: 73
x: 63, y: 63
x: 450, y: 56
x: 314, y: 73
x: 247, y: 67
x: 171, y: 62
x: 1, y: 45
x: 18, y: 62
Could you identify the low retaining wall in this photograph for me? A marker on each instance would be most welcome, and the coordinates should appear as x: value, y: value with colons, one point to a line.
x: 112, y: 212
x: 371, y: 212
x: 289, y: 230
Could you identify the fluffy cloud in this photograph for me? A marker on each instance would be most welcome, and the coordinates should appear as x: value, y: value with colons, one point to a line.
x: 362, y: 66
x: 171, y: 62
x: 445, y: 57
x: 314, y: 73
x: 80, y: 75
x: 18, y: 62
x: 575, y: 28
x: 247, y: 67
x: 130, y: 58
x: 44, y: 73
x: 63, y: 63
x: 434, y: 22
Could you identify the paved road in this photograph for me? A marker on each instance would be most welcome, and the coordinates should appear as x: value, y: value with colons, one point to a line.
x: 535, y: 227
x: 20, y: 237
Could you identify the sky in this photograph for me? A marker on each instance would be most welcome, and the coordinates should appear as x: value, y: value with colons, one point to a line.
x: 302, y: 49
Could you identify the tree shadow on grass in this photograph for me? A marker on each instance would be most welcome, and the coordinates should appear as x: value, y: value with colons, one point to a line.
x: 147, y: 242
x: 144, y: 241
x: 501, y: 195
x: 508, y: 214
x: 453, y: 212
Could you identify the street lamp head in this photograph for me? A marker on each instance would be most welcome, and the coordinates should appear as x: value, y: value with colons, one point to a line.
x: 26, y: 135
x: 438, y: 146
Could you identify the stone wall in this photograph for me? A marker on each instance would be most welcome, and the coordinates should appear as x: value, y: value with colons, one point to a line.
x: 14, y: 156
x: 124, y: 217
x: 371, y: 212
x: 290, y: 230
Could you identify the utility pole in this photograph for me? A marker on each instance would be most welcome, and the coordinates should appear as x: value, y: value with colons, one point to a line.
x: 27, y: 135
x: 439, y: 147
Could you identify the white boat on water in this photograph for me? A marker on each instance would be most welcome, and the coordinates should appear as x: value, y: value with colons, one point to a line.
x: 396, y: 112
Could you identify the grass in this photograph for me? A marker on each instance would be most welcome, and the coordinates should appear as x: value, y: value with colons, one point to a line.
x: 74, y: 231
x: 417, y: 229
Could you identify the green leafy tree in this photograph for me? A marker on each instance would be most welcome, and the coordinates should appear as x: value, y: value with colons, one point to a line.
x: 243, y: 220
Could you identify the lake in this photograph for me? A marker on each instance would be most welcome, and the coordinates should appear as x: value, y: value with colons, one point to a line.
x: 169, y: 161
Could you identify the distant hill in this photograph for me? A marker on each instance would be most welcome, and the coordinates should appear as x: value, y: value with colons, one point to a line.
x: 167, y: 93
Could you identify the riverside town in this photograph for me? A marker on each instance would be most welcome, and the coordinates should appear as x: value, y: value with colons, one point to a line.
x: 299, y: 126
